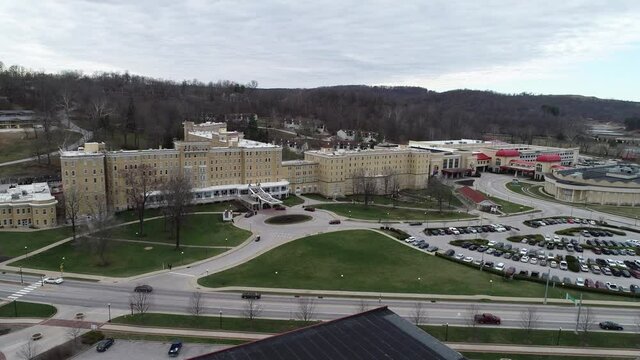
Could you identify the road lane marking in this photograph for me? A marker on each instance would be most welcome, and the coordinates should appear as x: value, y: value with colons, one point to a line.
x: 25, y: 290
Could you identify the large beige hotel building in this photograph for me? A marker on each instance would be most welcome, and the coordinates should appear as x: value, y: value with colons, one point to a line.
x: 222, y: 165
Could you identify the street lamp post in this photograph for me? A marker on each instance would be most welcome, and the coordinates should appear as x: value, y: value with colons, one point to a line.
x: 220, y: 319
x: 446, y: 332
x: 21, y: 280
x: 491, y: 287
x: 558, y: 339
x: 25, y: 252
x: 62, y: 267
x: 182, y: 258
x: 109, y: 307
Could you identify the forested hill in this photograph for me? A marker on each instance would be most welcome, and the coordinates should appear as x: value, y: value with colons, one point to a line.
x: 114, y: 103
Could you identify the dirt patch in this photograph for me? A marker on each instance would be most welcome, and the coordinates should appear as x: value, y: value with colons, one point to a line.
x: 148, y: 248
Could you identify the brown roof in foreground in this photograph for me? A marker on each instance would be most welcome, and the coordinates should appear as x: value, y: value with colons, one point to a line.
x: 473, y: 195
x: 375, y: 334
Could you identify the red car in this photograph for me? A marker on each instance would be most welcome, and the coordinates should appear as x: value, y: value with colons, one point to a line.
x: 486, y: 318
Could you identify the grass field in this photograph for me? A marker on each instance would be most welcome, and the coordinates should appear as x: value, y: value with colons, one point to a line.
x: 362, y: 260
x: 493, y: 335
x: 124, y: 259
x: 131, y: 215
x: 198, y: 229
x: 508, y: 207
x: 32, y: 169
x: 211, y: 322
x: 373, y: 212
x: 12, y: 243
x: 26, y: 309
x: 17, y: 145
x: 319, y: 197
x: 496, y: 356
x: 292, y: 200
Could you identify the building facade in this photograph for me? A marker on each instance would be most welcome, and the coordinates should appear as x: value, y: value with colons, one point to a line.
x: 223, y: 165
x: 27, y: 206
x: 605, y: 185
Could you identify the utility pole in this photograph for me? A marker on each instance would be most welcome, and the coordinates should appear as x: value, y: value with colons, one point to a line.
x: 579, y: 308
x: 546, y: 287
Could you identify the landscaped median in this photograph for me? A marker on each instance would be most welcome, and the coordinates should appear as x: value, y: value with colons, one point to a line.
x: 454, y: 334
x: 26, y: 309
x: 127, y: 254
x: 386, y: 213
x: 364, y: 260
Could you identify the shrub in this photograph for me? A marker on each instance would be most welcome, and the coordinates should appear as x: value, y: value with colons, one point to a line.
x: 91, y: 337
x: 572, y: 263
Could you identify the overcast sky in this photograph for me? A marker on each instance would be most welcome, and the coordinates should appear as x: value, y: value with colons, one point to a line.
x: 559, y: 47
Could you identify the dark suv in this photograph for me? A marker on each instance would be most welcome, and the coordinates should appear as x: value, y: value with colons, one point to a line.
x: 251, y: 295
x: 143, y: 288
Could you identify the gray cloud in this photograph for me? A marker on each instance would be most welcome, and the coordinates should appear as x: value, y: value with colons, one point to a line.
x: 305, y: 44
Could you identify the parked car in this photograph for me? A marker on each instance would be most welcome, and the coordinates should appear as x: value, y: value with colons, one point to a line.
x: 486, y: 318
x: 589, y: 283
x: 104, y: 345
x: 248, y: 214
x: 510, y: 271
x: 580, y: 282
x: 310, y: 208
x: 174, y: 349
x: 449, y: 252
x: 143, y: 288
x: 612, y: 286
x: 334, y: 222
x: 610, y: 325
x: 563, y: 265
x: 50, y: 280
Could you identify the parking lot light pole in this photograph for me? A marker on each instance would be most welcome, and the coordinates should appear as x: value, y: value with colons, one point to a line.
x: 558, y: 339
x: 446, y: 332
x: 220, y: 319
x: 109, y: 307
x: 546, y: 287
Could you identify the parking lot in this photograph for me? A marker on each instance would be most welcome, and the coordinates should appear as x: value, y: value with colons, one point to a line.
x: 601, y: 257
x: 146, y: 350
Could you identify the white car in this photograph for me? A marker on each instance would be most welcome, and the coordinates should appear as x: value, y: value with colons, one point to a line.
x: 468, y: 259
x: 492, y: 243
x: 454, y: 231
x: 563, y: 265
x: 533, y: 260
x: 410, y: 239
x: 579, y: 282
x: 523, y: 251
x: 499, y: 267
x: 459, y: 256
x: 584, y: 268
x: 553, y: 264
x: 612, y: 286
x: 547, y: 237
x: 524, y: 259
x: 56, y: 281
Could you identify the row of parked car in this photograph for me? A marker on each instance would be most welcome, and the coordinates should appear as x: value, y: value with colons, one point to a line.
x: 469, y: 229
x: 420, y: 244
x: 559, y: 220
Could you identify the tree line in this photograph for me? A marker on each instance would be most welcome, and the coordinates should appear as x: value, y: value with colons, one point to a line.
x: 132, y: 108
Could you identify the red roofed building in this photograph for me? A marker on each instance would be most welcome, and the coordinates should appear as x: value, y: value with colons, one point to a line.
x: 549, y: 158
x: 478, y: 199
x: 507, y: 153
x: 482, y: 161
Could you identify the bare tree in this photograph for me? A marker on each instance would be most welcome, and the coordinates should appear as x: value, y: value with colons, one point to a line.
x: 101, y: 225
x: 529, y: 319
x: 470, y: 319
x: 306, y: 309
x: 418, y: 313
x: 140, y: 302
x: 72, y: 333
x: 72, y: 199
x: 252, y: 308
x: 363, y: 305
x: 586, y: 321
x: 140, y: 182
x: 437, y: 191
x: 364, y: 185
x: 195, y: 304
x: 28, y: 351
x: 177, y: 198
x: 66, y: 103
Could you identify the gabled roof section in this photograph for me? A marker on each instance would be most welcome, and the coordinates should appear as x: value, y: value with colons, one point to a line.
x: 473, y: 195
x: 376, y: 334
x: 482, y: 156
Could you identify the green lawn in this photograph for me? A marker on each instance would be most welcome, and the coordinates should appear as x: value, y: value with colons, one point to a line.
x: 26, y: 309
x: 627, y: 211
x: 131, y: 215
x: 319, y: 197
x: 373, y: 212
x: 125, y: 259
x: 16, y: 145
x: 508, y: 207
x: 12, y: 243
x: 404, y: 202
x: 496, y: 356
x: 198, y: 229
x: 363, y: 260
x: 292, y: 200
x: 492, y: 335
x: 211, y: 322
x: 451, y: 200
